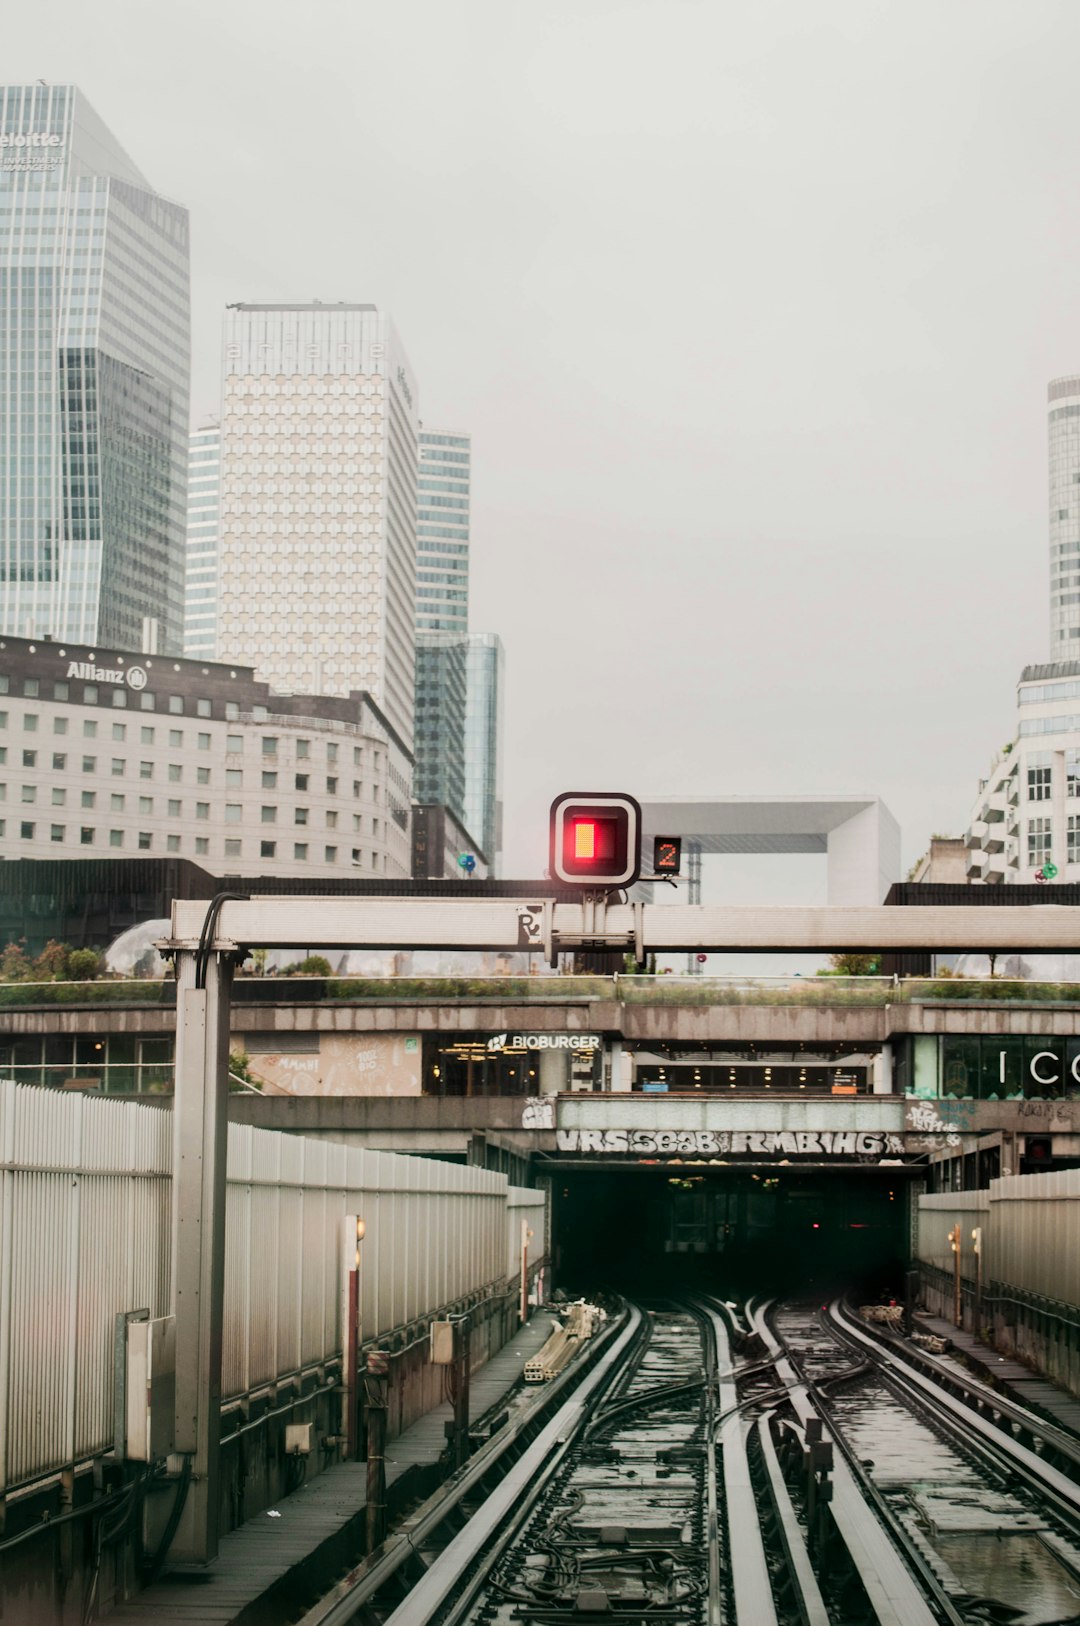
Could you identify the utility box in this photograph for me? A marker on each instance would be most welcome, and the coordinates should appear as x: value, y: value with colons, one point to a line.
x: 297, y: 1439
x: 150, y: 1389
x: 442, y: 1343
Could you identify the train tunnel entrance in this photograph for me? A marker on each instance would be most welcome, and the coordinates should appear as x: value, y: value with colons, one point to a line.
x: 737, y: 1231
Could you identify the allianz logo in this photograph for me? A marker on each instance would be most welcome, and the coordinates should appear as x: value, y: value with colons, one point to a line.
x: 133, y: 676
x: 35, y: 139
x: 544, y: 1041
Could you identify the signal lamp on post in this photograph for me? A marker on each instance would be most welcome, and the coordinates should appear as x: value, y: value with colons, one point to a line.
x: 595, y: 839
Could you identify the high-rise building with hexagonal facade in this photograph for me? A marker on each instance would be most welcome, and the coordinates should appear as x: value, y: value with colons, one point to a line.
x: 319, y: 430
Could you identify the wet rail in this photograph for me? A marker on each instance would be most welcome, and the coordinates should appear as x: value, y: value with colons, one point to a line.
x: 708, y: 1464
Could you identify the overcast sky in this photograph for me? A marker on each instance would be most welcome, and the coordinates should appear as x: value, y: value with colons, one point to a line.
x: 750, y: 310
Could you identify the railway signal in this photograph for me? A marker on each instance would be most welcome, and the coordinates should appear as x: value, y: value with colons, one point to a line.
x: 667, y: 855
x: 595, y: 839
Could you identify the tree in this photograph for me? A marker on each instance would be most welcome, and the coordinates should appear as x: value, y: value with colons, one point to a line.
x: 15, y: 965
x: 51, y: 964
x: 854, y: 965
x: 83, y: 965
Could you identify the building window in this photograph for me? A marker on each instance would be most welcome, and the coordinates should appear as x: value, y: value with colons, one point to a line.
x: 146, y: 735
x: 30, y: 722
x: 59, y: 725
x: 29, y: 759
x: 300, y: 849
x: 176, y: 772
x: 331, y: 753
x: 269, y: 745
x: 301, y: 781
x: 300, y: 815
x: 119, y: 731
x: 202, y: 708
x: 330, y: 855
x: 86, y: 835
x: 59, y: 796
x: 59, y: 761
x: 119, y: 699
x: 146, y: 700
x: 202, y: 845
x: 172, y: 844
x: 1038, y: 842
x: 232, y: 711
x: 174, y: 809
x: 331, y: 820
x: 202, y: 776
x: 32, y: 688
x: 61, y: 691
x: 116, y: 802
x: 267, y: 849
x: 118, y: 767
x: 176, y: 736
x: 232, y: 848
x: 146, y: 804
x: 1038, y: 777
x: 26, y: 831
x: 1072, y: 839
x: 357, y: 756
x: 176, y: 704
x: 88, y: 798
x: 233, y: 742
x: 234, y: 778
x: 232, y: 812
x: 146, y: 841
x: 269, y: 781
x: 357, y: 823
x: 357, y: 788
x: 269, y: 815
x: 89, y: 764
x: 56, y: 832
x: 29, y: 793
x: 202, y: 810
x: 89, y: 730
x: 331, y: 787
x: 1072, y: 773
x: 116, y: 838
x: 204, y: 742
x: 89, y: 694
x: 146, y: 770
x: 303, y: 749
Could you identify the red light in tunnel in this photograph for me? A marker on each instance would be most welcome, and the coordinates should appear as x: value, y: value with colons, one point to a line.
x: 816, y: 1226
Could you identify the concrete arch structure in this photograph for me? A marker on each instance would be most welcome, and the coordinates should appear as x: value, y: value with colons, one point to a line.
x: 857, y: 834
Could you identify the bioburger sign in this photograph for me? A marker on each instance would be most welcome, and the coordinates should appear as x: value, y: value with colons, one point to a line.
x: 694, y: 1143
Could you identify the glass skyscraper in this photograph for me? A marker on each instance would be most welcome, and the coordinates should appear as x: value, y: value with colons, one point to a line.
x: 317, y: 579
x: 94, y: 360
x: 483, y: 805
x: 201, y: 575
x: 442, y: 532
x: 1064, y: 428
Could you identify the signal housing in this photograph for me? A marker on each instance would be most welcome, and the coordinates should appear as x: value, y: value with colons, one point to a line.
x: 595, y: 839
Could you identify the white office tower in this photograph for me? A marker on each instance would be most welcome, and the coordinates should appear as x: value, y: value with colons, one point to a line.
x: 201, y: 567
x: 317, y: 585
x: 1064, y: 434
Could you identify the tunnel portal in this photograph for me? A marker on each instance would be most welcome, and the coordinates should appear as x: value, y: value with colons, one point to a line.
x: 734, y: 1231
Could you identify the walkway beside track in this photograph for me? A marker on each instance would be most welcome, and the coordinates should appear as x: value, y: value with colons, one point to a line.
x: 319, y: 1529
x: 1019, y: 1383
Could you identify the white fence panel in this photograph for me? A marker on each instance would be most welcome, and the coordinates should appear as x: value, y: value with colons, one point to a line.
x: 525, y: 1204
x: 1035, y: 1234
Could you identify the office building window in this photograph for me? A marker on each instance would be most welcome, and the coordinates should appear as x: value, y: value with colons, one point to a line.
x: 29, y: 722
x: 232, y: 848
x: 172, y: 844
x: 202, y: 845
x: 204, y: 742
x: 86, y: 835
x: 331, y: 787
x: 89, y: 764
x: 146, y: 841
x: 174, y: 808
x: 119, y: 731
x: 176, y: 772
x: 233, y: 811
x: 146, y: 736
x: 59, y: 796
x: 56, y: 832
x: 269, y: 815
x: 116, y: 802
x: 267, y: 849
x: 300, y: 816
x: 202, y: 776
x: 233, y: 742
x: 119, y: 765
x: 176, y: 736
x: 89, y: 730
x: 29, y: 759
x: 146, y: 770
x: 202, y: 708
x: 234, y: 778
x: 331, y: 753
x: 116, y: 838
x: 331, y: 820
x: 269, y: 781
x: 60, y: 725
x: 1038, y: 777
x: 1038, y: 834
x: 29, y: 793
x: 269, y: 745
x: 146, y: 805
x: 26, y: 831
x: 1072, y: 839
x: 176, y: 704
x: 88, y: 798
x: 330, y: 855
x: 301, y: 781
x: 300, y: 849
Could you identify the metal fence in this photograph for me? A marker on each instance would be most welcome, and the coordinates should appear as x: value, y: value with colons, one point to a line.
x: 85, y: 1218
x: 1030, y: 1234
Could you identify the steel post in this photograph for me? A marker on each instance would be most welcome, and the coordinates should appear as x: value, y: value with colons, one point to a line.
x: 460, y: 1438
x: 378, y: 1367
x: 200, y: 1141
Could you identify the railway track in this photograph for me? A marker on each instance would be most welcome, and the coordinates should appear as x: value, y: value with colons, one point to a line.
x: 820, y: 1475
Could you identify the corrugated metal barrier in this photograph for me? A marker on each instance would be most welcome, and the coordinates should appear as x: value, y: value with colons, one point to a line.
x: 1030, y: 1233
x: 85, y: 1217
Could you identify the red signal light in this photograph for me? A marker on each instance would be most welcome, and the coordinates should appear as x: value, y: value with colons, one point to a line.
x: 595, y: 839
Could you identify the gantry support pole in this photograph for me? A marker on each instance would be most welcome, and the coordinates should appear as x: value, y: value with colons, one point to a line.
x: 200, y: 1139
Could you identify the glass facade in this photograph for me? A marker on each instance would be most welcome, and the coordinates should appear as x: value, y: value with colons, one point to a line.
x: 439, y: 775
x: 318, y: 503
x: 201, y: 569
x: 442, y: 532
x: 1064, y: 436
x: 484, y: 681
x: 94, y: 358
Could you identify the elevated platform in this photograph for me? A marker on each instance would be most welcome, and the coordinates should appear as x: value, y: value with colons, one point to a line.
x: 282, y: 1554
x: 1018, y: 1382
